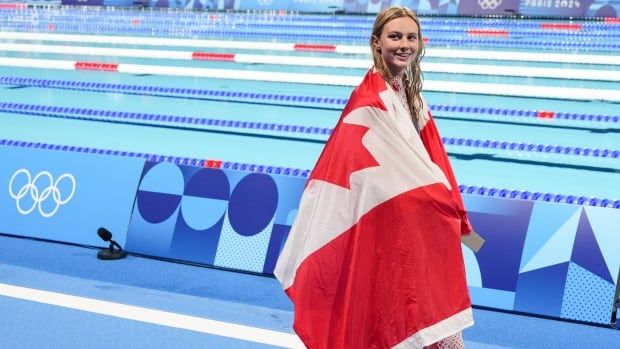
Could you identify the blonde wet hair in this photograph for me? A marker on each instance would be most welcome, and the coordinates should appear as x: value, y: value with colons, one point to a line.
x: 413, y: 83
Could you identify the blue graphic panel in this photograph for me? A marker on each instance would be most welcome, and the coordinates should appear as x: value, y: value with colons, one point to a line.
x: 66, y: 196
x: 557, y: 249
x: 604, y: 8
x: 488, y: 7
x: 156, y: 208
x: 246, y: 233
x: 563, y: 8
x: 278, y: 238
x: 179, y: 212
x: 548, y: 220
x: 240, y: 220
x: 488, y: 297
x: 472, y: 268
x: 541, y: 291
x: 503, y: 224
x: 148, y: 238
x: 315, y: 5
x: 225, y: 218
x: 243, y: 252
x: 587, y: 297
x: 605, y: 223
x: 192, y: 4
x: 586, y: 251
x: 262, y: 4
x: 161, y: 183
x: 253, y: 204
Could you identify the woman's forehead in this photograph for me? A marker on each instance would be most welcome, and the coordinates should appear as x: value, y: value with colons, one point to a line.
x: 401, y: 24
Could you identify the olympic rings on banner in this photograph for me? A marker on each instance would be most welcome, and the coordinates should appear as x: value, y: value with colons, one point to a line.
x: 50, y: 191
x: 489, y: 4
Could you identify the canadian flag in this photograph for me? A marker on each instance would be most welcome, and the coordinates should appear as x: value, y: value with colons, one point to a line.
x: 374, y: 257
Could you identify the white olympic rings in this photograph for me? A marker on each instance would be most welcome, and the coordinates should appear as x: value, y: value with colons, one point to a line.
x: 489, y: 4
x: 51, y: 191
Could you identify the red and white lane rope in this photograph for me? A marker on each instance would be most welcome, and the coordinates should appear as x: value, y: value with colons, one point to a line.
x: 318, y: 79
x: 305, y: 47
x: 451, y: 68
x: 13, y: 6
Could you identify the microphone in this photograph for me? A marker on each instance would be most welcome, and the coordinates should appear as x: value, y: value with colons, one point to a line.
x: 104, y: 234
x: 114, y: 251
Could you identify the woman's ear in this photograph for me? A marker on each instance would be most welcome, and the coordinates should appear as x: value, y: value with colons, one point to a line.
x: 375, y: 43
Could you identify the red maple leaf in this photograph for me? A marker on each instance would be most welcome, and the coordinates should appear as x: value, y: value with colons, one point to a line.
x: 344, y: 154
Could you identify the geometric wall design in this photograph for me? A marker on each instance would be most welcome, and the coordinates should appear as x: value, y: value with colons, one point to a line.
x: 546, y: 258
x: 554, y: 259
x: 224, y: 218
x: 242, y: 252
x: 585, y: 296
x: 567, y: 264
x: 541, y: 291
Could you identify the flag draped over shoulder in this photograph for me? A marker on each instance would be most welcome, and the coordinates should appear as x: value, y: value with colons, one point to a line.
x: 374, y: 258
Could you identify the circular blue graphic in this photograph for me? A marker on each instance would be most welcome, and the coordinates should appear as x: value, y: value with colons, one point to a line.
x: 205, y: 199
x: 160, y: 192
x: 252, y: 204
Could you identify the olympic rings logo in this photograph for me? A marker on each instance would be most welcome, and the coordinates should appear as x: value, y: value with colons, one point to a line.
x: 489, y: 4
x: 39, y: 197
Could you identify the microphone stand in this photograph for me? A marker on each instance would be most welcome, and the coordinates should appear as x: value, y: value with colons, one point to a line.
x: 115, y: 251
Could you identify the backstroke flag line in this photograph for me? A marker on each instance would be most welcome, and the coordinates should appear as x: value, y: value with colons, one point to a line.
x: 374, y: 257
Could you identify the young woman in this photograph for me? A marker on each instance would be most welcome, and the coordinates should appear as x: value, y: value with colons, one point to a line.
x: 374, y: 258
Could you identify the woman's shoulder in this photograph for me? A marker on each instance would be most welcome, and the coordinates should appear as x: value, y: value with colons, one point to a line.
x: 368, y: 92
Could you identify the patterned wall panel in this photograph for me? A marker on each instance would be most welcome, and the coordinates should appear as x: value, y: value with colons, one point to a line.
x: 224, y: 218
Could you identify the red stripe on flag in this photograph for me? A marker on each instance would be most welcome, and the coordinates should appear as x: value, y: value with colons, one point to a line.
x: 561, y: 26
x: 209, y: 56
x: 213, y: 163
x: 315, y: 47
x: 612, y: 20
x: 96, y: 66
x: 487, y: 32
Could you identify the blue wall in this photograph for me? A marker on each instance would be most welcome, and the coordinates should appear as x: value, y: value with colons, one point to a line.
x: 546, y: 258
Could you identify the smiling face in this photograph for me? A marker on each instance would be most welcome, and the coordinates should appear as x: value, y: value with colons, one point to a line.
x: 398, y: 44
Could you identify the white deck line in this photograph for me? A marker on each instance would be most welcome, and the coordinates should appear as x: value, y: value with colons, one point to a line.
x: 350, y: 49
x: 152, y: 316
x: 451, y: 68
x: 566, y: 93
